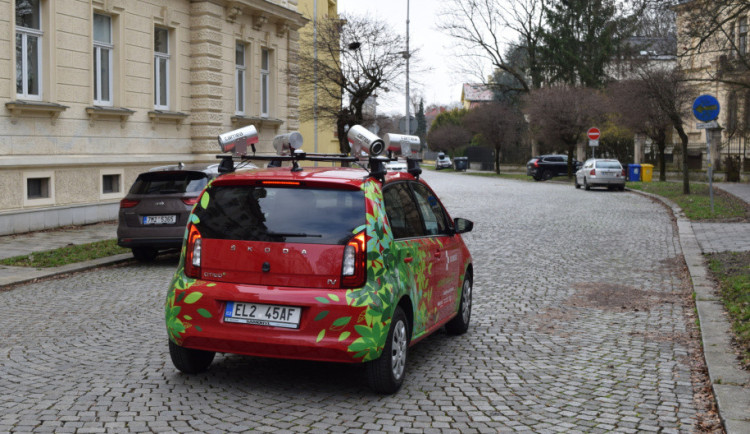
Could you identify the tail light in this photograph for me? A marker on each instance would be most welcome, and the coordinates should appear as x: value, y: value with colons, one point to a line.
x: 593, y: 172
x: 190, y: 200
x: 193, y: 253
x: 129, y: 203
x: 623, y: 173
x: 353, y: 267
x: 536, y: 163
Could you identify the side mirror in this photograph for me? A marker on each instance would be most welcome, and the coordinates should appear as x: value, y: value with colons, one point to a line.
x: 462, y: 225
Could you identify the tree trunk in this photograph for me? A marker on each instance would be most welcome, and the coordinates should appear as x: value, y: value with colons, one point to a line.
x: 662, y: 144
x: 685, y: 174
x: 497, y: 159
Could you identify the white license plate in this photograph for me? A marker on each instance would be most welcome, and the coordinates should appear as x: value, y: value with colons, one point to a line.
x: 263, y: 314
x: 159, y: 219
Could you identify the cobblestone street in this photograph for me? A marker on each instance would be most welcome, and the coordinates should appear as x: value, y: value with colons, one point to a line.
x: 582, y: 321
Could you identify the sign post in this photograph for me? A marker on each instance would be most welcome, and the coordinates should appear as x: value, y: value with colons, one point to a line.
x: 706, y: 110
x: 593, y: 135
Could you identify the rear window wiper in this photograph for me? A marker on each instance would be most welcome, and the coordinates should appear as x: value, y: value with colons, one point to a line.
x: 294, y: 235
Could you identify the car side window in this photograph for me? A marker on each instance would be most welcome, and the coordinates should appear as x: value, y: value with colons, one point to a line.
x: 431, y: 210
x: 402, y: 211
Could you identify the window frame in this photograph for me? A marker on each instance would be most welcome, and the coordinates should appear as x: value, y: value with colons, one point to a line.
x: 100, y: 46
x: 240, y: 80
x: 742, y: 25
x: 38, y: 201
x: 265, y: 82
x: 158, y: 57
x: 121, y: 184
x: 25, y: 33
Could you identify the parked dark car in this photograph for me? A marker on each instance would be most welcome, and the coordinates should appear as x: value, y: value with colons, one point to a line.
x: 154, y: 214
x: 545, y: 167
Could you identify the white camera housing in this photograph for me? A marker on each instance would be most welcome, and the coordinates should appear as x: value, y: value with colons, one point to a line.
x: 363, y: 140
x: 236, y: 141
x: 286, y: 144
x: 401, y: 143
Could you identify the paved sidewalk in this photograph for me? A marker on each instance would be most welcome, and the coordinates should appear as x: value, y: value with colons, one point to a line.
x: 25, y: 244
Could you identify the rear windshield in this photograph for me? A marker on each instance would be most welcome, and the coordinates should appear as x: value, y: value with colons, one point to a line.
x: 276, y: 214
x: 169, y: 182
x: 608, y: 165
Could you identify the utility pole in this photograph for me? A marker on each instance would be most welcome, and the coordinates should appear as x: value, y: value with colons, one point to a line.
x: 315, y: 86
x: 406, y: 56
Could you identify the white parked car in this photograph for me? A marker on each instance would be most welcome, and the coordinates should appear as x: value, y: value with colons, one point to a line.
x: 443, y: 161
x: 396, y: 166
x: 601, y: 172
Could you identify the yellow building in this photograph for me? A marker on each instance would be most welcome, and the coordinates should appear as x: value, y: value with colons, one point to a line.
x: 93, y: 92
x: 721, y: 59
x: 320, y: 138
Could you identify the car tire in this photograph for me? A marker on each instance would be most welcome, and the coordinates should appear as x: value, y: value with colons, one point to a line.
x: 386, y: 374
x: 460, y: 323
x: 188, y: 360
x: 144, y: 254
x: 621, y: 188
x: 577, y: 184
x: 547, y: 175
x: 586, y: 185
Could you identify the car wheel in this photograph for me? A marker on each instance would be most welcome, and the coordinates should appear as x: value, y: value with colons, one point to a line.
x: 144, y: 254
x: 386, y: 374
x: 577, y: 184
x: 188, y: 360
x: 460, y: 324
x: 547, y: 175
x: 586, y: 185
x: 621, y: 188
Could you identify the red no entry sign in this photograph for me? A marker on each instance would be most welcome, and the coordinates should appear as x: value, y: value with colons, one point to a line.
x: 593, y: 133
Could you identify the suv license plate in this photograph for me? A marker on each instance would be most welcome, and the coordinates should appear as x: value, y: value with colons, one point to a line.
x: 159, y: 219
x: 263, y: 314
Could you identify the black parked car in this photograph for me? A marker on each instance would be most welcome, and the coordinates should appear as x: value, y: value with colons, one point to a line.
x: 546, y: 166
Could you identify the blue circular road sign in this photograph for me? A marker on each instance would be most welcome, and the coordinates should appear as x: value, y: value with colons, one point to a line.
x: 706, y: 108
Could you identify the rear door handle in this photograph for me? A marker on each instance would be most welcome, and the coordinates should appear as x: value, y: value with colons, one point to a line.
x: 438, y: 254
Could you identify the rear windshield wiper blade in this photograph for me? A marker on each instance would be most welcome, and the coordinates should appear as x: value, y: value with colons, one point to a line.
x: 294, y: 235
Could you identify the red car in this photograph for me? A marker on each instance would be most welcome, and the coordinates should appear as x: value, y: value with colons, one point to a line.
x: 330, y: 264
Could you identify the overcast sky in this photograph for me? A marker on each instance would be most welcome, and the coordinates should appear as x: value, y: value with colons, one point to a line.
x: 442, y: 83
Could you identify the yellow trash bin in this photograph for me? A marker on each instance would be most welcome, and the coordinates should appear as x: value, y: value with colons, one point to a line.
x: 647, y: 172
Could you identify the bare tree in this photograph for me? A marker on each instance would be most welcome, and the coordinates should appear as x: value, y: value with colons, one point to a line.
x: 448, y: 138
x: 560, y: 115
x: 357, y: 57
x: 640, y: 112
x: 486, y: 28
x: 496, y: 126
x: 670, y: 94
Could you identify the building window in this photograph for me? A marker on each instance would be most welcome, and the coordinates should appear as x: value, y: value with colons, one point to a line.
x: 103, y: 59
x: 110, y: 184
x: 265, y: 66
x: 240, y: 70
x: 161, y: 68
x: 37, y: 188
x: 28, y: 49
x: 742, y: 42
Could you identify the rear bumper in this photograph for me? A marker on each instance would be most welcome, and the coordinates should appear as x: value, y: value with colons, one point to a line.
x: 326, y: 329
x: 602, y: 182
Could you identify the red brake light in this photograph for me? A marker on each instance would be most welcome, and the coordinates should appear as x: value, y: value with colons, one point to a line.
x: 354, y: 264
x: 128, y: 203
x: 593, y: 172
x: 193, y: 253
x: 280, y: 182
x: 536, y: 163
x: 190, y: 200
x: 623, y: 173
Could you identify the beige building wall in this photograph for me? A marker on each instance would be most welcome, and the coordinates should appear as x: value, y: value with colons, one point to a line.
x: 714, y: 60
x: 327, y: 141
x: 65, y: 139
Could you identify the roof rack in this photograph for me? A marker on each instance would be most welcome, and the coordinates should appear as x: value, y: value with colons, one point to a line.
x: 363, y: 142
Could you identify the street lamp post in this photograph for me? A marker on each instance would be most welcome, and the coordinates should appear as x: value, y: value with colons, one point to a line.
x: 406, y: 56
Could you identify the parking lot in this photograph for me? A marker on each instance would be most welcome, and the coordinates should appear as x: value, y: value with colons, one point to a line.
x: 582, y: 322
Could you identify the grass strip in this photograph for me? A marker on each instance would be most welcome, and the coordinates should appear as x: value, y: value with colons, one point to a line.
x: 732, y: 271
x: 66, y: 255
x: 696, y: 205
